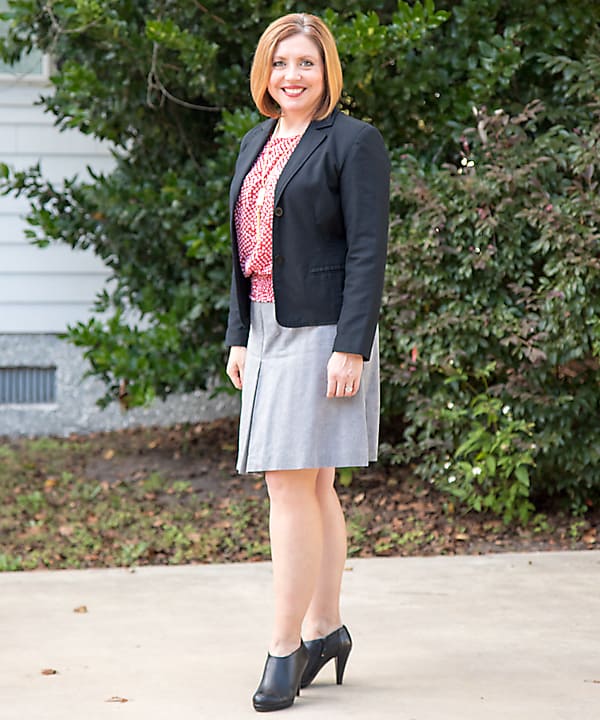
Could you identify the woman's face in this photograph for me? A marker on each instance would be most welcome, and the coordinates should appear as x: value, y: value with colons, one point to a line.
x: 297, y: 76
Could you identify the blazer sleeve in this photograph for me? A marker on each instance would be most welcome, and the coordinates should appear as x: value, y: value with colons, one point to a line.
x: 237, y: 331
x: 364, y: 192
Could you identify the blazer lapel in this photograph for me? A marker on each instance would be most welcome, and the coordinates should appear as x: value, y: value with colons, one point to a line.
x: 246, y: 159
x: 312, y: 138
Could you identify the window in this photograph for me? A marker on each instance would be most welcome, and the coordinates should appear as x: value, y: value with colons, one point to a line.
x: 31, y: 67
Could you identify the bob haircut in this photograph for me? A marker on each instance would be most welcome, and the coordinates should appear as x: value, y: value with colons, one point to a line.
x: 280, y: 29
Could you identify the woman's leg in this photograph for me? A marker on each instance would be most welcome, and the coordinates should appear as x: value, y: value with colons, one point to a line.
x: 323, y: 614
x: 296, y: 530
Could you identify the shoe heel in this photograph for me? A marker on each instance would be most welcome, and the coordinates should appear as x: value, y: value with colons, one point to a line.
x: 340, y: 664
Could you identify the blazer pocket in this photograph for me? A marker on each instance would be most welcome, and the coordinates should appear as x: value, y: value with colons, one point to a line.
x: 327, y: 268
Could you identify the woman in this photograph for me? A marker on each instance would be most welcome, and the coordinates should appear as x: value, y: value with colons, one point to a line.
x: 309, y: 219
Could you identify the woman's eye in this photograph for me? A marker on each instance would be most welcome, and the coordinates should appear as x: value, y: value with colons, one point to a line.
x: 307, y: 63
x: 278, y: 63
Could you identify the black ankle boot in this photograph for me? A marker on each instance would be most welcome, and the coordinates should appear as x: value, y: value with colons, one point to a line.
x: 320, y: 651
x: 280, y: 681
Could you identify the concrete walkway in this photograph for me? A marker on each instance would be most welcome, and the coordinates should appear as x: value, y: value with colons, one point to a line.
x: 497, y: 637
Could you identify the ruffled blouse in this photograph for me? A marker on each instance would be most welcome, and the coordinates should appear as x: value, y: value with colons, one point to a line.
x: 253, y: 216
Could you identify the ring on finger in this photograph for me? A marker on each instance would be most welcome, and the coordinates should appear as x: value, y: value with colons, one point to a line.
x: 348, y: 388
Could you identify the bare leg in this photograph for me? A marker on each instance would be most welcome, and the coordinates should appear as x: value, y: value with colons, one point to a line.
x: 323, y: 615
x: 296, y: 530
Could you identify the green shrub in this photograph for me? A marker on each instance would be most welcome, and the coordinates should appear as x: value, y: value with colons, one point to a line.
x: 492, y: 302
x: 167, y: 84
x: 492, y: 286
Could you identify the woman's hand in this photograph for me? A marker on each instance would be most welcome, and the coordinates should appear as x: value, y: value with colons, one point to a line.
x: 235, y: 365
x: 343, y: 374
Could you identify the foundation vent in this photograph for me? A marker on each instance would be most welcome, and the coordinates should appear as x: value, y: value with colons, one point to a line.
x: 27, y: 385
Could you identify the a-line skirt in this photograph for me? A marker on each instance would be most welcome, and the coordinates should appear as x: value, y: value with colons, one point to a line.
x: 287, y: 422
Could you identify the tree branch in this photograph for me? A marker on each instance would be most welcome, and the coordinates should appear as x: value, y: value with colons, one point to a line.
x: 154, y: 83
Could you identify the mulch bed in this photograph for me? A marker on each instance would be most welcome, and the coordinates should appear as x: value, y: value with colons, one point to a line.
x: 172, y: 496
x: 389, y: 511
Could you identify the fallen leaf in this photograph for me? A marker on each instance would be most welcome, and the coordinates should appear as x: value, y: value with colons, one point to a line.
x: 108, y: 454
x: 359, y: 498
x: 80, y: 609
x: 461, y: 536
x: 49, y: 671
x: 32, y: 531
x: 49, y: 483
x: 65, y: 530
x: 401, y: 507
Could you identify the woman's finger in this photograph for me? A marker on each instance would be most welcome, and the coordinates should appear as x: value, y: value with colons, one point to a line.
x: 234, y: 375
x: 235, y: 366
x: 340, y: 389
x: 331, y: 385
x: 343, y: 375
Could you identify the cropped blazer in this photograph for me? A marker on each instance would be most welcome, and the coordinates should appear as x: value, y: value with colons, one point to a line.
x: 330, y: 229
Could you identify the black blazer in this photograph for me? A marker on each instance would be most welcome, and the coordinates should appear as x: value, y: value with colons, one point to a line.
x: 330, y: 229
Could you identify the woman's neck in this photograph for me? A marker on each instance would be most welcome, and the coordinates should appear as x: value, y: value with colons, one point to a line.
x: 291, y: 126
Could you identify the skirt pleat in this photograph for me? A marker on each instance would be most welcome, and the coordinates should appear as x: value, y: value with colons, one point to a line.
x: 287, y: 422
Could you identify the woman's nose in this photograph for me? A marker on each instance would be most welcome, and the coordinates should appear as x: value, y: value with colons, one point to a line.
x: 292, y: 71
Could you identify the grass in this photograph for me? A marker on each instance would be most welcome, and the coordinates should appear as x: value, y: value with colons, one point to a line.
x: 122, y: 499
x: 51, y: 517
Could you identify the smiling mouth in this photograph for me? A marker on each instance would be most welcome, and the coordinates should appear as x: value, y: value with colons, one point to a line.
x: 293, y: 92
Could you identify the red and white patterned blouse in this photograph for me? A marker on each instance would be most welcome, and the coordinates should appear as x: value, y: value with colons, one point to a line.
x: 253, y: 215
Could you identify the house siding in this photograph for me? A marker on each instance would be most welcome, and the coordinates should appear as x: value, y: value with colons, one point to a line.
x: 43, y: 290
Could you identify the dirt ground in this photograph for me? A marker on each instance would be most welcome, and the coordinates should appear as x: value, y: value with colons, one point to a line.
x: 389, y: 512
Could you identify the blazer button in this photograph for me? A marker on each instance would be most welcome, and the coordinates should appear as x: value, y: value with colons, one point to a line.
x: 278, y: 211
x: 278, y: 259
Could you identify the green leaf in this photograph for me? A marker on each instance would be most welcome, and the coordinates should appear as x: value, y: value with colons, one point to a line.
x: 522, y: 475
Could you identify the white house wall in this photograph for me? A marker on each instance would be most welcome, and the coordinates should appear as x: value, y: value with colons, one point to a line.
x: 42, y: 290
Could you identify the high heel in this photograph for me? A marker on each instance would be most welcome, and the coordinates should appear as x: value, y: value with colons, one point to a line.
x: 320, y: 651
x: 280, y: 683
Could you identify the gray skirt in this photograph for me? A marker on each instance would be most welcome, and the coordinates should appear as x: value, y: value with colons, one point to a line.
x: 287, y: 422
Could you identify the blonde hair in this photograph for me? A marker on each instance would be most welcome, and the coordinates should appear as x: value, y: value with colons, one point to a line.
x: 280, y: 29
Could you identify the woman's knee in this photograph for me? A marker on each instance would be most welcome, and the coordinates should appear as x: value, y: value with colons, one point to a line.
x: 325, y: 482
x: 291, y: 485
